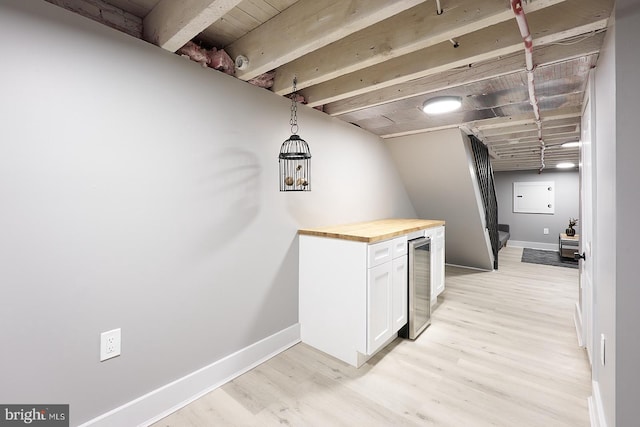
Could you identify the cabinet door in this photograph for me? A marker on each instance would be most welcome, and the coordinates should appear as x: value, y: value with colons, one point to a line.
x: 379, y: 308
x: 400, y: 292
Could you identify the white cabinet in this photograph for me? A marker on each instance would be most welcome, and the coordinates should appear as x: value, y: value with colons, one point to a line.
x: 400, y: 295
x: 353, y: 295
x: 437, y: 261
x: 379, y: 306
x: 386, y: 291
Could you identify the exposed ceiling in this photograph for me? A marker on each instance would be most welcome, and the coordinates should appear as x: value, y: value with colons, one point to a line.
x: 374, y: 62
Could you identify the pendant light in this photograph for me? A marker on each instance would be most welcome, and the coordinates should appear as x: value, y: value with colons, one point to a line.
x: 295, y: 157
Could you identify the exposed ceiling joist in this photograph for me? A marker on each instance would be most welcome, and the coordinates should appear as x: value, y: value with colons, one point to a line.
x: 499, y: 122
x: 533, y: 133
x: 172, y: 23
x: 478, y: 125
x: 464, y: 75
x: 306, y: 26
x: 419, y: 131
x: 373, y: 63
x: 490, y: 43
x: 534, y: 156
x: 415, y: 29
x: 548, y: 124
x: 548, y: 136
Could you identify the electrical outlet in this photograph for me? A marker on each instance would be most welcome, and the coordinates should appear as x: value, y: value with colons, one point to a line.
x: 110, y: 344
x: 602, y: 349
x: 545, y: 230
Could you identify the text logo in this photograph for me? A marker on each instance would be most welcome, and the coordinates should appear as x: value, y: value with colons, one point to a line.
x: 34, y: 415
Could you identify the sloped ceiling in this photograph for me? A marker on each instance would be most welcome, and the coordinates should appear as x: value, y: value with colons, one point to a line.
x: 373, y: 63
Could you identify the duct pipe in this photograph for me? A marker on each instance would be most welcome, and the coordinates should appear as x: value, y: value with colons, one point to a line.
x: 523, y: 25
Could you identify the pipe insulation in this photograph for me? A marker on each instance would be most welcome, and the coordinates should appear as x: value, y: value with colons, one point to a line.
x: 525, y: 32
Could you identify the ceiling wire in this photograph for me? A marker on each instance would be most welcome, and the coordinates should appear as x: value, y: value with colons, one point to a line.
x: 577, y: 39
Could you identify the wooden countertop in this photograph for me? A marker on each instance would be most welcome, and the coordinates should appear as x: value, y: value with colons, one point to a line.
x: 372, y: 231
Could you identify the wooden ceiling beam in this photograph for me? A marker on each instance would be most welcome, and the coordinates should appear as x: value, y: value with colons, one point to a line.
x: 500, y: 122
x: 533, y: 133
x: 418, y: 131
x: 493, y: 42
x: 549, y: 124
x: 414, y: 29
x: 504, y: 149
x: 533, y: 154
x: 551, y: 143
x: 474, y: 72
x: 172, y: 23
x: 307, y: 26
x: 478, y: 125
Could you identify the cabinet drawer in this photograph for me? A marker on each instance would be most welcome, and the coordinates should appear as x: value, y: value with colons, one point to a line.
x: 382, y: 252
x: 379, y: 253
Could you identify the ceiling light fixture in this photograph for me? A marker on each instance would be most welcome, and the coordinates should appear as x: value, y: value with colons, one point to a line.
x: 571, y: 144
x: 441, y: 104
x: 565, y: 165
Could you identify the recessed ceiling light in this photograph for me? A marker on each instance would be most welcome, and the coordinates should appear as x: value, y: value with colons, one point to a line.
x: 571, y: 144
x: 566, y: 165
x: 442, y: 104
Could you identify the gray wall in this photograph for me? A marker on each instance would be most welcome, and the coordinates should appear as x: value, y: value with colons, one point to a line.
x: 627, y: 228
x: 527, y: 227
x: 617, y: 229
x: 604, y: 250
x: 628, y: 205
x: 140, y: 191
x: 436, y: 171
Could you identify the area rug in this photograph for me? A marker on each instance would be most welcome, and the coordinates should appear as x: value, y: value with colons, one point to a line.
x: 536, y: 256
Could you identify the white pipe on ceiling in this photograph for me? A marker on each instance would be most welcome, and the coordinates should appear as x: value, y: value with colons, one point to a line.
x: 523, y: 25
x: 438, y: 7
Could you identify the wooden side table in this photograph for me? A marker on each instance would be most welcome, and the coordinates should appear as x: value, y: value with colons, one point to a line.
x: 568, y: 245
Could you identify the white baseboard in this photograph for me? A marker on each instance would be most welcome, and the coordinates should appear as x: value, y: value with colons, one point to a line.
x: 167, y: 399
x: 467, y: 267
x: 534, y: 245
x: 596, y: 410
x: 577, y: 320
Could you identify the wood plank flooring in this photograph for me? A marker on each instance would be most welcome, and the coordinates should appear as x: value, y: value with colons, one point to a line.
x: 501, y: 351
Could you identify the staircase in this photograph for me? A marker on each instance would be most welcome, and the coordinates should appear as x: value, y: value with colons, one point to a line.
x: 484, y: 173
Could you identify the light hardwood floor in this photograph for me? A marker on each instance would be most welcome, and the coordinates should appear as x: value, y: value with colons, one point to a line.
x: 501, y: 351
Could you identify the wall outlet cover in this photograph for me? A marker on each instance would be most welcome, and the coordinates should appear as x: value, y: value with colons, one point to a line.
x: 110, y: 343
x: 545, y: 230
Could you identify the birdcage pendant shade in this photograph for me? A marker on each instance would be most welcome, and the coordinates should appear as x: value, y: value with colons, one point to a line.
x: 295, y: 165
